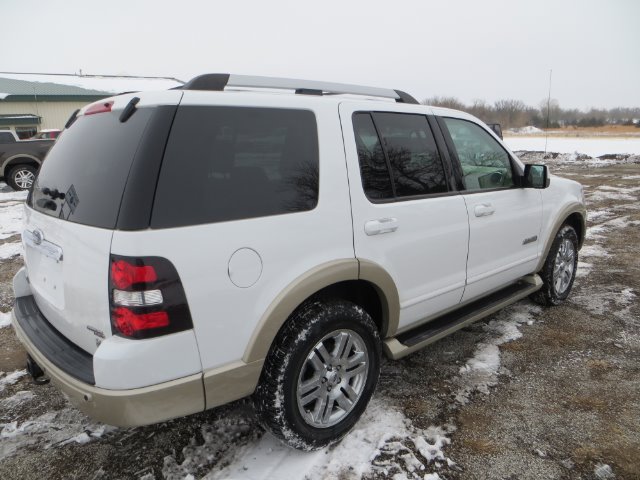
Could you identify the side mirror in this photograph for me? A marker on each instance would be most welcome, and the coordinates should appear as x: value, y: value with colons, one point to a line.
x: 497, y: 129
x: 536, y: 176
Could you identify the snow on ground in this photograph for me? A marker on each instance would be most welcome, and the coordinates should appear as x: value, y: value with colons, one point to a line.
x: 8, y: 250
x: 528, y: 130
x: 381, y: 433
x: 5, y: 319
x: 11, y: 378
x: 481, y: 372
x: 592, y: 146
x: 10, y: 219
x: 51, y: 429
x: 11, y: 206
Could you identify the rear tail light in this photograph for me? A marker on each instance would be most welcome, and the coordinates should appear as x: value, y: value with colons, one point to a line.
x: 146, y: 297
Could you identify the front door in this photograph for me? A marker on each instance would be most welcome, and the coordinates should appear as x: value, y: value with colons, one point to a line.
x: 504, y: 220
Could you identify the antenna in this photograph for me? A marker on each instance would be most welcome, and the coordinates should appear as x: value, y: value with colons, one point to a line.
x: 546, y: 137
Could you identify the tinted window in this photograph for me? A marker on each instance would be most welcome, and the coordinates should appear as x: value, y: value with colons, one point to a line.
x: 6, y: 137
x: 485, y: 164
x: 412, y: 153
x: 229, y: 163
x: 85, y: 172
x: 374, y: 171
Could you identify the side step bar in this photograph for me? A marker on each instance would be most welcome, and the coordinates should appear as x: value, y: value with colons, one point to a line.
x: 423, y: 335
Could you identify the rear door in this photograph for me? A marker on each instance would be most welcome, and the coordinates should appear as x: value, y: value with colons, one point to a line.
x: 504, y: 220
x: 406, y: 216
x: 71, y: 214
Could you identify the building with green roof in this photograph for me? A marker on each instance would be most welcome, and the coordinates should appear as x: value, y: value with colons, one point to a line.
x: 28, y: 106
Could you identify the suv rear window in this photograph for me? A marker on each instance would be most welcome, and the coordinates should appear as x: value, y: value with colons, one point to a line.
x: 84, y: 174
x: 231, y: 163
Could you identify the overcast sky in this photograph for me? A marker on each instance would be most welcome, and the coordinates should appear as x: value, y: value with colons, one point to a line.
x: 470, y: 49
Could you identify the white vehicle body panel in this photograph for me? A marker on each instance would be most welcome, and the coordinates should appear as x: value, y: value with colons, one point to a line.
x: 225, y: 315
x: 121, y: 363
x: 71, y: 293
x: 503, y: 245
x: 426, y: 256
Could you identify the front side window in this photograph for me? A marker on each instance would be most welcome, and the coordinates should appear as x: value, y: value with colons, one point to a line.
x: 485, y: 164
x: 398, y: 155
x: 231, y: 163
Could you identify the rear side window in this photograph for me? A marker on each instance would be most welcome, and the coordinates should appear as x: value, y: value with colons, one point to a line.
x: 84, y: 174
x: 6, y: 137
x: 406, y: 163
x: 231, y: 163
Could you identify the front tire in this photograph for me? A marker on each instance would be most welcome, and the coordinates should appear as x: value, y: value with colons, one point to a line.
x: 21, y: 177
x: 559, y: 270
x: 319, y: 375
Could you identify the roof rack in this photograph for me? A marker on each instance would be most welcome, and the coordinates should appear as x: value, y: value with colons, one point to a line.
x: 218, y: 82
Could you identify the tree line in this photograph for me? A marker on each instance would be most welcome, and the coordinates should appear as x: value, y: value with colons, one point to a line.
x: 515, y: 113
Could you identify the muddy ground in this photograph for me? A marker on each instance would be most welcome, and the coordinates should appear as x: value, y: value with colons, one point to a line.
x: 563, y: 403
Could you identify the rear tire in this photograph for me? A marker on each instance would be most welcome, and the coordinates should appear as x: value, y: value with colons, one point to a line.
x: 319, y: 374
x: 21, y: 177
x: 559, y: 270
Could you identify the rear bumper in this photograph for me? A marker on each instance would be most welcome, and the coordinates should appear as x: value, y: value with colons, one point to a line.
x: 124, y: 408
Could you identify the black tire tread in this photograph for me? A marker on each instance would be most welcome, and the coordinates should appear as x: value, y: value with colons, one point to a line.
x: 546, y: 296
x: 270, y: 412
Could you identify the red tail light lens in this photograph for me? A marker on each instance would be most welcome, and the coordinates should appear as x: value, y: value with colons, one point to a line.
x: 128, y: 323
x: 146, y: 298
x: 124, y: 275
x: 100, y: 107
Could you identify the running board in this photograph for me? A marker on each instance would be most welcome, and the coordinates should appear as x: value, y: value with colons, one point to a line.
x: 423, y: 335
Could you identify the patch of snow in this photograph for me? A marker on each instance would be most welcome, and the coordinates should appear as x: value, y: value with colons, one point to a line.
x: 607, y: 300
x: 528, y: 130
x: 480, y: 372
x: 632, y: 177
x: 598, y: 215
x: 11, y: 378
x: 603, y: 472
x: 380, y: 432
x: 597, y: 232
x: 52, y: 429
x: 593, y: 251
x: 600, y: 195
x: 584, y: 269
x: 9, y: 250
x: 10, y: 219
x: 8, y: 194
x: 17, y: 399
x: 5, y: 319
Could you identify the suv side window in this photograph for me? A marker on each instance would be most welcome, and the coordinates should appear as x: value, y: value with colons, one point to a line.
x: 6, y: 137
x: 373, y: 165
x: 485, y: 164
x: 408, y: 151
x: 231, y: 163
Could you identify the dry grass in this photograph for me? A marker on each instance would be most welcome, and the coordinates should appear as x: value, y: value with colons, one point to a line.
x: 589, y: 403
x: 606, y: 131
x: 481, y: 446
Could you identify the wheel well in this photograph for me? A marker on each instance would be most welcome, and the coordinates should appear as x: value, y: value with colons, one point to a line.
x: 361, y: 293
x: 20, y: 161
x: 577, y: 222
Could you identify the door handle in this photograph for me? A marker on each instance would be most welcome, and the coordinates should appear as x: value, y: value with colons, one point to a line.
x: 484, y: 210
x: 381, y: 225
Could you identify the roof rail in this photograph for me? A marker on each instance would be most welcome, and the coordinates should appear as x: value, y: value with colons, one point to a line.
x: 218, y: 82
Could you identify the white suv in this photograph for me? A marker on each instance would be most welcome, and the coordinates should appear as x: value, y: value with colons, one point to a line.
x: 191, y: 247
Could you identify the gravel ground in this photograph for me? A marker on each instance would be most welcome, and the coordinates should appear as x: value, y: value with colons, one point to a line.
x: 563, y: 402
